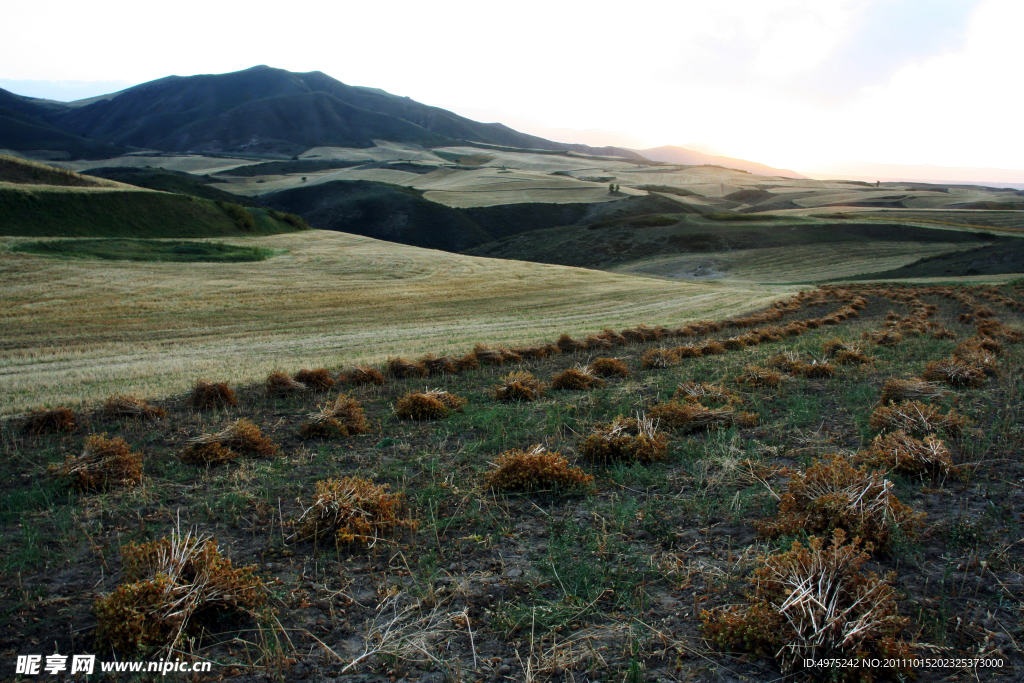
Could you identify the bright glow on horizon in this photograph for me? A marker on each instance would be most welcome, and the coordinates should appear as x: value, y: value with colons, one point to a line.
x: 791, y: 83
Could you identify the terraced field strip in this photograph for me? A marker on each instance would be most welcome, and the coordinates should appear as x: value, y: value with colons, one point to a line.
x: 75, y: 331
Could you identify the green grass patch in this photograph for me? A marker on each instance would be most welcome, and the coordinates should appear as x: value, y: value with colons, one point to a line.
x: 146, y: 250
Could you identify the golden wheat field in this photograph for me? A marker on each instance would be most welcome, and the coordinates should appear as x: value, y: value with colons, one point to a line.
x: 77, y: 331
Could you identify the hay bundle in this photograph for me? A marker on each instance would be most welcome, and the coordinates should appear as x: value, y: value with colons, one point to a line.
x: 659, y: 359
x: 401, y: 368
x: 711, y: 348
x: 351, y: 509
x: 468, y: 362
x: 887, y: 338
x: 609, y: 367
x: 360, y: 376
x: 104, y: 463
x: 756, y: 376
x: 439, y: 365
x: 597, y: 342
x: 834, y: 345
x: 685, y: 331
x: 634, y: 335
x: 614, y: 337
x: 816, y: 369
x: 943, y: 333
x: 569, y: 345
x: 785, y: 361
x: 48, y: 421
x: 956, y: 372
x: 579, y: 378
x: 537, y: 351
x: 280, y: 384
x: 979, y: 356
x: 430, y: 404
x: 121, y: 405
x: 812, y: 323
x: 207, y: 395
x: 896, y: 390
x: 318, y: 380
x: 750, y: 339
x: 734, y: 343
x: 536, y: 470
x: 688, y: 351
x: 340, y: 418
x: 693, y: 417
x: 700, y: 393
x: 907, y: 455
x: 487, y: 355
x: 972, y: 345
x: 854, y: 357
x: 916, y: 418
x: 770, y: 333
x: 241, y: 436
x: 625, y: 439
x: 795, y: 329
x: 518, y: 386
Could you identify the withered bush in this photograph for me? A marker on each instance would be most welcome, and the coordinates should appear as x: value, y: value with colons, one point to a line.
x: 756, y: 376
x: 896, y: 390
x: 692, y: 417
x: 207, y: 395
x: 916, y: 418
x: 833, y: 494
x: 706, y: 393
x: 280, y: 384
x: 625, y: 439
x: 569, y: 345
x: 352, y: 509
x: 103, y: 464
x: 536, y: 470
x: 955, y: 372
x: 431, y: 404
x: 711, y: 348
x: 907, y: 455
x: 659, y: 359
x: 120, y: 405
x: 401, y: 368
x: 165, y: 584
x: 440, y: 365
x: 609, y: 367
x: 48, y: 421
x: 318, y: 380
x: 518, y: 386
x: 579, y: 378
x: 360, y: 376
x: 340, y: 418
x: 817, y: 602
x: 241, y: 436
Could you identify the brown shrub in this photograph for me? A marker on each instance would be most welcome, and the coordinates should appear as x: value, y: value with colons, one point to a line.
x: 351, y: 509
x: 907, y: 455
x: 955, y: 372
x: 518, y: 386
x: 569, y: 345
x: 817, y: 603
x: 103, y: 464
x: 48, y: 421
x: 120, y: 405
x: 431, y: 404
x: 165, y: 583
x: 833, y: 494
x: 401, y: 368
x: 340, y: 418
x: 280, y: 384
x: 659, y: 359
x: 917, y: 418
x: 693, y: 417
x: 207, y: 395
x: 609, y: 367
x: 536, y: 470
x: 755, y: 376
x: 579, y: 378
x: 896, y: 390
x: 318, y: 380
x: 360, y: 376
x: 625, y: 439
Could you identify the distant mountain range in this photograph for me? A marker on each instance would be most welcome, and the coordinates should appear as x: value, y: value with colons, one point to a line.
x: 261, y: 110
x: 689, y: 157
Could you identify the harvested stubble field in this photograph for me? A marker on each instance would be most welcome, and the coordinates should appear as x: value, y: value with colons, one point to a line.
x: 626, y: 576
x: 80, y: 330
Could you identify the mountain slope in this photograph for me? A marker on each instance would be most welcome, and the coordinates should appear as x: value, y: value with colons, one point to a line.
x: 23, y: 129
x: 688, y: 157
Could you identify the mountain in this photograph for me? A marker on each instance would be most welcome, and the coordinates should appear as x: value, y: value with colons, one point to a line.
x: 689, y: 157
x: 267, y: 110
x: 23, y: 129
x: 944, y: 175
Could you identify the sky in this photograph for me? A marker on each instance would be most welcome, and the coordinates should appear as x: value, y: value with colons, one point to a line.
x: 801, y: 84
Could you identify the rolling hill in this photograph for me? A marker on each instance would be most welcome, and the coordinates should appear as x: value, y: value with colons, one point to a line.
x: 22, y: 129
x: 680, y: 155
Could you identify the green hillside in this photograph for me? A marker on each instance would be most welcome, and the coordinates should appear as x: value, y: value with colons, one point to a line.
x: 170, y: 181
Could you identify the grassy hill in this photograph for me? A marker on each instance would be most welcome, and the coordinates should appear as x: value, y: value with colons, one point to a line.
x: 1005, y: 257
x: 177, y: 182
x: 23, y: 129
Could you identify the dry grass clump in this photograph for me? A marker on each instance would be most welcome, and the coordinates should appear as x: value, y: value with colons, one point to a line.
x: 833, y: 494
x: 852, y: 357
x: 734, y: 343
x: 688, y: 351
x: 48, y: 421
x: 994, y: 328
x: 165, y: 584
x: 896, y: 390
x: 817, y: 602
x: 569, y: 345
x: 693, y: 417
x: 943, y: 333
x: 207, y: 395
x: 659, y: 359
x: 431, y: 404
x: 614, y: 337
x: 440, y: 365
x: 536, y: 470
x: 795, y: 329
x: 360, y: 376
x: 834, y: 345
x: 816, y: 369
x: 625, y: 439
x: 917, y: 418
x: 340, y: 418
x: 907, y: 455
x: 982, y: 353
x: 241, y: 436
x: 103, y: 464
x: 352, y: 509
x: 487, y: 355
x: 711, y: 348
x: 579, y: 378
x: 401, y: 368
x: 756, y: 376
x: 536, y: 351
x: 317, y: 380
x: 886, y: 338
x: 609, y: 367
x: 955, y: 372
x: 121, y: 405
x: 596, y: 341
x: 518, y: 386
x: 280, y: 384
x: 468, y: 362
x: 705, y: 393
